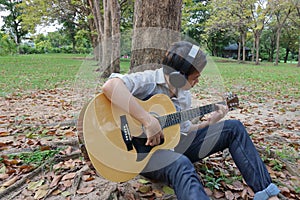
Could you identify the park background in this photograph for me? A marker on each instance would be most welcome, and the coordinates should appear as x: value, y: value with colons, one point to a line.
x: 253, y: 43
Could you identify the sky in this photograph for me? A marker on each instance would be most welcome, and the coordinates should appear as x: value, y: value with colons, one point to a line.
x: 39, y: 29
x: 2, y: 13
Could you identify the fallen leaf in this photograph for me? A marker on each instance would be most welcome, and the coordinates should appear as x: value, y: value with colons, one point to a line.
x: 158, y: 193
x: 56, y: 192
x: 229, y: 195
x: 67, y: 183
x: 66, y: 193
x: 69, y: 176
x: 218, y: 194
x: 10, y: 181
x: 3, y: 176
x: 143, y: 181
x: 85, y: 190
x: 55, y: 180
x: 168, y: 190
x: 40, y: 194
x: 144, y: 188
x: 35, y: 185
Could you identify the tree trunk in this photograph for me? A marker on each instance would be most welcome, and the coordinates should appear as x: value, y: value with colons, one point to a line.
x: 244, y: 47
x: 257, y: 38
x: 298, y: 65
x: 286, y: 57
x: 98, y: 21
x: 239, y: 51
x: 116, y: 17
x: 253, y: 49
x: 277, y: 45
x: 106, y: 43
x: 156, y: 25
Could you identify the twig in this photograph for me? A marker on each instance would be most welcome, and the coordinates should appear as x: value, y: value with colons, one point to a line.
x: 72, y: 122
x: 77, y: 179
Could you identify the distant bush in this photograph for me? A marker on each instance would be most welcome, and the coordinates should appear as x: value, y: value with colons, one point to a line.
x: 7, y: 45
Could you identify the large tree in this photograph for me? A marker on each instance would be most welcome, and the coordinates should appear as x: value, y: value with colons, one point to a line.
x: 239, y: 13
x: 13, y: 22
x: 156, y: 24
x: 281, y: 10
x: 260, y: 10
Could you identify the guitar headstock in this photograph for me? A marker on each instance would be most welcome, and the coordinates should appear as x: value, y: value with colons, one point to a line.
x: 232, y: 101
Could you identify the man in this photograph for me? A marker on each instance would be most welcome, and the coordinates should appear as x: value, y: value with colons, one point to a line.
x: 181, y: 69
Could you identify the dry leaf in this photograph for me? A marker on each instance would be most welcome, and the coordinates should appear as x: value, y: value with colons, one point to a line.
x: 10, y: 181
x: 56, y: 192
x: 67, y: 183
x: 229, y: 195
x: 158, y: 193
x: 3, y: 176
x: 144, y: 188
x: 55, y: 180
x: 40, y: 194
x: 69, y: 176
x: 35, y: 185
x: 218, y: 194
x: 85, y: 190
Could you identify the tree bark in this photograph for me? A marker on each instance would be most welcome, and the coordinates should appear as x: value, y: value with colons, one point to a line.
x: 116, y: 17
x: 239, y: 51
x: 298, y: 65
x: 106, y: 43
x: 156, y: 25
x: 257, y: 43
x: 280, y: 25
x: 286, y: 57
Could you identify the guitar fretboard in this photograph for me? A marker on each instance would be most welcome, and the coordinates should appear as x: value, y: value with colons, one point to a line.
x: 178, y: 117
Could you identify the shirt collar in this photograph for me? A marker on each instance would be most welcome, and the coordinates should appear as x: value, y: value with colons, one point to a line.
x: 160, y: 77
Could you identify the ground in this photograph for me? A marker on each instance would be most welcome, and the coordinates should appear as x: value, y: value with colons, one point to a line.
x: 44, y: 120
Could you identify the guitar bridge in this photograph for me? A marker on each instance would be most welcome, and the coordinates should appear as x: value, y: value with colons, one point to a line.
x: 126, y: 133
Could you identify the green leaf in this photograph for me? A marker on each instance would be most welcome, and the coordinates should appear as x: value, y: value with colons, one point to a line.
x: 66, y: 193
x: 168, y: 190
x: 143, y: 181
x: 35, y: 185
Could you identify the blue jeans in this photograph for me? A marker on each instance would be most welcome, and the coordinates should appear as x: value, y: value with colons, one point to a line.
x: 181, y: 174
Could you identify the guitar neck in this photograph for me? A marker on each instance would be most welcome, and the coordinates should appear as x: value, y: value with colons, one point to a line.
x: 178, y: 117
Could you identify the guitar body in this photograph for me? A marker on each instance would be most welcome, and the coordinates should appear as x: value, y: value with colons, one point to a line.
x: 104, y: 141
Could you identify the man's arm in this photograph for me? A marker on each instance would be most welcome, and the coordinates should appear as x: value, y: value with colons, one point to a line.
x: 117, y: 92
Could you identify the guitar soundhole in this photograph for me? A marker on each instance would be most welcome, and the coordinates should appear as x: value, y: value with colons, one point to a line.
x: 141, y: 149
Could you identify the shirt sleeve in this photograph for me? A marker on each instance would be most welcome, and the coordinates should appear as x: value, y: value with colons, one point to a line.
x: 140, y: 85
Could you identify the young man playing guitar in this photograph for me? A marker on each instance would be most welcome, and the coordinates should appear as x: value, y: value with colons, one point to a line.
x: 181, y: 69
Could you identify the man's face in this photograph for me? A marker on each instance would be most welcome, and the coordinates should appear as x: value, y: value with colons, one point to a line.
x: 192, y: 80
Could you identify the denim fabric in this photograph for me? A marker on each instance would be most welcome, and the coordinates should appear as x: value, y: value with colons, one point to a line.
x: 181, y: 175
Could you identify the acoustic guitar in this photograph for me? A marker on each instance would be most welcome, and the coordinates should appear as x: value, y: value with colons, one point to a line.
x: 114, y: 141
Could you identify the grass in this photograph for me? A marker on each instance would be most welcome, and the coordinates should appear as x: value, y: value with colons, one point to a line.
x: 263, y: 81
x: 42, y: 71
x: 46, y: 71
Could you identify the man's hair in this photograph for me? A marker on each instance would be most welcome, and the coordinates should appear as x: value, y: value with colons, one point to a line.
x: 176, y: 58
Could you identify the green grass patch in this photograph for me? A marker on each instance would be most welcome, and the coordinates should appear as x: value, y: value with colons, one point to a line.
x: 41, y: 71
x: 264, y: 80
x: 47, y: 71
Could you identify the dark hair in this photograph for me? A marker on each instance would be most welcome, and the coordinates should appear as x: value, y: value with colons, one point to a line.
x: 175, y: 59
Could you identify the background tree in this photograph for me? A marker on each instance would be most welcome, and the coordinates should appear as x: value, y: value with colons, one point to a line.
x: 156, y: 24
x: 13, y: 22
x: 239, y: 14
x: 260, y: 16
x: 194, y: 15
x: 281, y: 10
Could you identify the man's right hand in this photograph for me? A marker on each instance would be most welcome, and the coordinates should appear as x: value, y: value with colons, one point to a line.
x: 153, y: 131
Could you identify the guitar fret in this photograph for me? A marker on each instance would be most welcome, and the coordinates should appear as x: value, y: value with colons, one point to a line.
x: 177, y: 117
